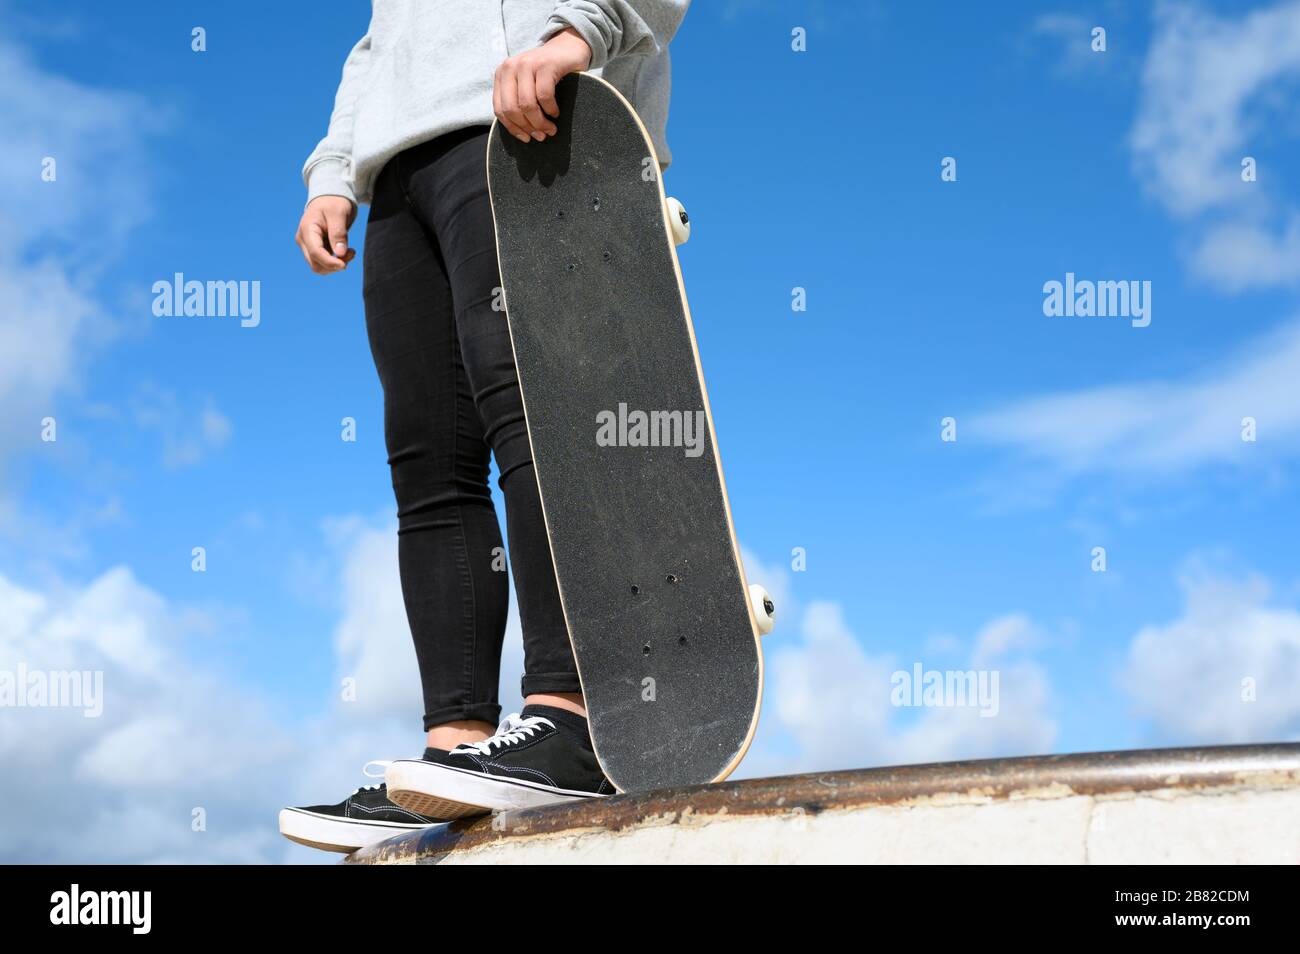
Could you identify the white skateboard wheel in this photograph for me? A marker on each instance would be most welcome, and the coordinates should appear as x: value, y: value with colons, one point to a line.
x: 764, y: 608
x: 678, y: 221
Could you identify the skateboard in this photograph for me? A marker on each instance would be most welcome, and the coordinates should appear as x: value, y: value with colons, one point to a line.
x: 664, y: 629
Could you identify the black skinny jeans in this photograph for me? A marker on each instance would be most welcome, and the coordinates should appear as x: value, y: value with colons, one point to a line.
x: 451, y: 394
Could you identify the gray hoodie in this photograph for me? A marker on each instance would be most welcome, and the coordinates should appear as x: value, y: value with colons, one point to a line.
x: 425, y: 68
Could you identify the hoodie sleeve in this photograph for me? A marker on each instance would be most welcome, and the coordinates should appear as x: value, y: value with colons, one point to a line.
x: 614, y: 28
x: 328, y: 169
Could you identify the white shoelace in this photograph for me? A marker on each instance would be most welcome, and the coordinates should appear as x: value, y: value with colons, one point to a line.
x: 365, y: 770
x: 513, y: 729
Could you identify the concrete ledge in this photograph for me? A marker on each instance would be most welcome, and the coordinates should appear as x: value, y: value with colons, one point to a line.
x: 1228, y: 804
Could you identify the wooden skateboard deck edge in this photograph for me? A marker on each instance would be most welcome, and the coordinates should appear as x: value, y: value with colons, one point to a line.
x: 713, y: 437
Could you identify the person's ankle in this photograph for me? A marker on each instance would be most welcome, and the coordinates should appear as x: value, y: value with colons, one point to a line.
x: 568, y: 701
x: 451, y: 734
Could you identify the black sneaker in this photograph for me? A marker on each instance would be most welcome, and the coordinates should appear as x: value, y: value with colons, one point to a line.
x: 363, y: 818
x: 529, y: 762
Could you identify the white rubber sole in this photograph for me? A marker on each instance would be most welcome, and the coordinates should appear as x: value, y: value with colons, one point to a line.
x: 429, y: 788
x: 329, y: 833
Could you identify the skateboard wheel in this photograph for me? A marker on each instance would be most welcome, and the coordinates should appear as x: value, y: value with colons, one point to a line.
x: 764, y: 608
x: 678, y: 221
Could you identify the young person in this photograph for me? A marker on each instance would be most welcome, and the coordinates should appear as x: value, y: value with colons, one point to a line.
x: 408, y: 136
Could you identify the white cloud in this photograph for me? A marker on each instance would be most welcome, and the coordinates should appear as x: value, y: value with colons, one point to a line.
x: 1241, y: 255
x: 175, y: 736
x: 45, y: 317
x: 1072, y: 36
x: 1187, y: 676
x: 152, y: 750
x: 1163, y: 425
x: 171, y: 737
x: 1006, y: 634
x: 825, y: 689
x: 1210, y: 88
x: 827, y: 702
x: 214, y: 426
x: 188, y: 434
x: 1022, y: 725
x: 59, y: 235
x: 373, y: 641
x: 96, y: 137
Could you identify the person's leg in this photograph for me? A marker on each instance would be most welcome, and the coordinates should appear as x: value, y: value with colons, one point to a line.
x: 448, y: 189
x: 448, y: 533
x: 543, y: 755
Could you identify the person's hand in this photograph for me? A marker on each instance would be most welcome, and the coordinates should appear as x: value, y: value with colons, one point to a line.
x: 323, y: 233
x: 523, y: 90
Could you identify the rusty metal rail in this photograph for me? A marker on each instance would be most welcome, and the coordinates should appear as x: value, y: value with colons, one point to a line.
x: 1161, y: 776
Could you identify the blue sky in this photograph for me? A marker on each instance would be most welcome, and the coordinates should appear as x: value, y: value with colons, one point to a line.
x: 817, y: 170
